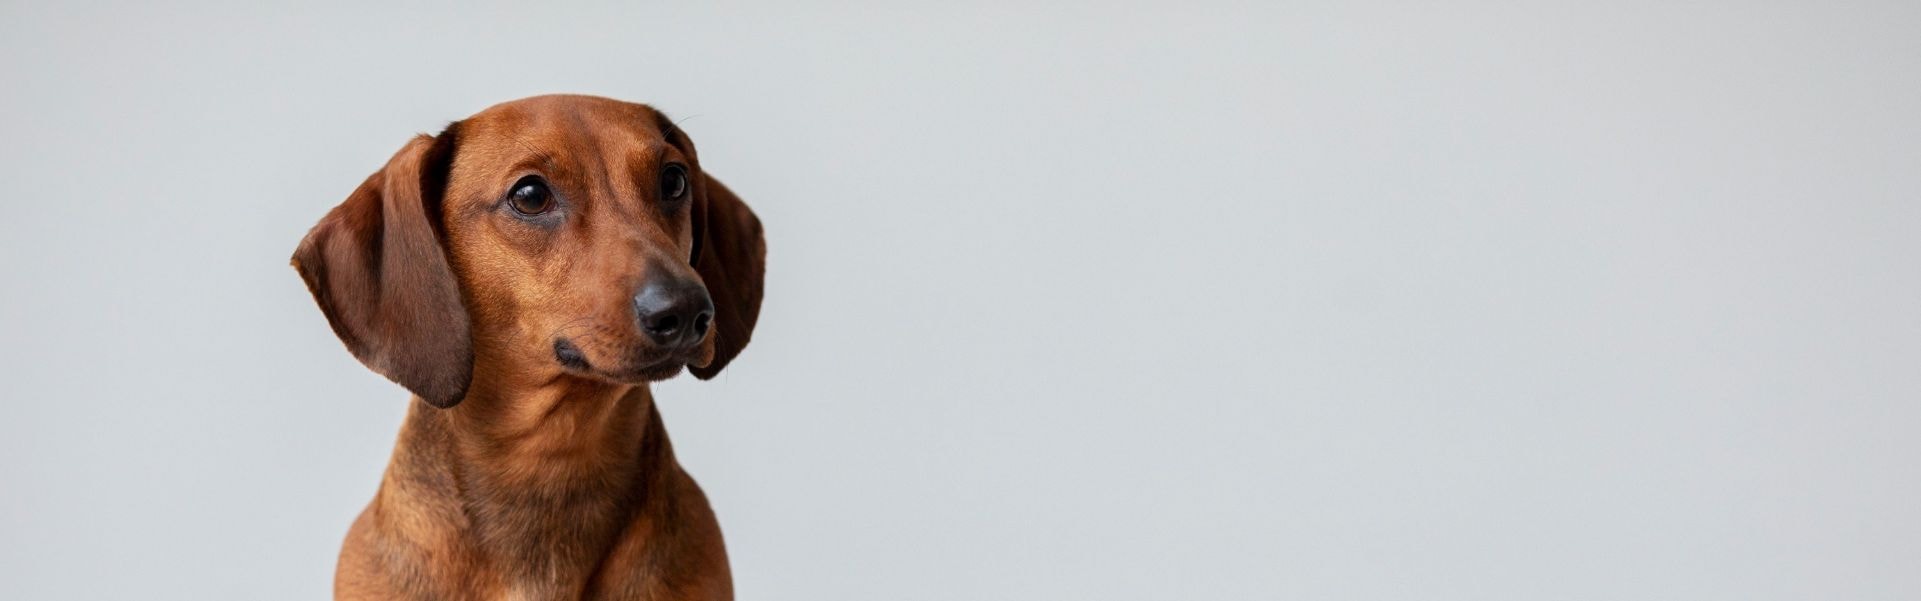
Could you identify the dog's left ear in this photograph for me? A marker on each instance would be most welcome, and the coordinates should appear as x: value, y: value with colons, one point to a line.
x: 377, y: 267
x: 731, y: 255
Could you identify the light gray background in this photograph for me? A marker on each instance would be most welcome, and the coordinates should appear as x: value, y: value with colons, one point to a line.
x: 1259, y: 301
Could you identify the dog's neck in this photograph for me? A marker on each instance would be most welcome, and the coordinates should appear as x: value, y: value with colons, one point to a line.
x: 540, y: 481
x: 558, y: 434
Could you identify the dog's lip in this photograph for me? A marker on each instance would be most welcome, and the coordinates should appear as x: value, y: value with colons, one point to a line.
x: 641, y: 364
x: 658, y: 370
x: 645, y: 369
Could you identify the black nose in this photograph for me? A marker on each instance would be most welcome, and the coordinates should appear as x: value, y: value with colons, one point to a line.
x: 674, y: 313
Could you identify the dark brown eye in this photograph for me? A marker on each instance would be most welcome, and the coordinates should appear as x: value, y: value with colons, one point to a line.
x: 530, y: 196
x: 673, y: 182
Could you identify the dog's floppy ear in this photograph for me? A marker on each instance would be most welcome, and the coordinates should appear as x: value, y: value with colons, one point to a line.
x: 378, y: 269
x: 731, y: 256
x: 729, y: 253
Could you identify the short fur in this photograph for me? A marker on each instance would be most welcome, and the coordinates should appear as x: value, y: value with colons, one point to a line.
x: 536, y: 465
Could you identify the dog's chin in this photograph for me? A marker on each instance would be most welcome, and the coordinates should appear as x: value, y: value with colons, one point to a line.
x: 636, y: 373
x: 635, y: 370
x: 651, y: 373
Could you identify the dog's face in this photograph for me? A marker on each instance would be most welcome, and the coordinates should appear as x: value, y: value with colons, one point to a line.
x: 571, y: 226
x: 570, y: 234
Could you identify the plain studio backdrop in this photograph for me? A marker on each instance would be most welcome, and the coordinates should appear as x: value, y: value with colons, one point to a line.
x: 1195, y: 301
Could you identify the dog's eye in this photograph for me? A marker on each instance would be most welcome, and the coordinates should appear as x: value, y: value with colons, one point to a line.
x: 673, y: 182
x: 530, y: 196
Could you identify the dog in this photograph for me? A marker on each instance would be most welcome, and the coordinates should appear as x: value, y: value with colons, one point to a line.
x: 525, y: 274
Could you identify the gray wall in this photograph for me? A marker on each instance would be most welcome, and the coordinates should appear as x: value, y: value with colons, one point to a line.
x: 1310, y: 301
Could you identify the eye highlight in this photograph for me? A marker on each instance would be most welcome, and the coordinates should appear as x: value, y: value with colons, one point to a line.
x: 673, y: 182
x: 530, y: 196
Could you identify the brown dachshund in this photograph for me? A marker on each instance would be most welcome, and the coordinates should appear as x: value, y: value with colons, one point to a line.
x: 525, y: 274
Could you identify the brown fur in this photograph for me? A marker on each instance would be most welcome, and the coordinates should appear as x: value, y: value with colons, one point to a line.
x: 519, y: 476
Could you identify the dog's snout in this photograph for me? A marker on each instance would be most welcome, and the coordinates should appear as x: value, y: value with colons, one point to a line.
x: 674, y: 313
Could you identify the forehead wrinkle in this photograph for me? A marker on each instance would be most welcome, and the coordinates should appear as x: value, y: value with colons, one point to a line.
x: 625, y: 195
x: 587, y: 149
x: 546, y: 158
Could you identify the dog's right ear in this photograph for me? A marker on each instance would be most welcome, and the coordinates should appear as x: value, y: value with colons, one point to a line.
x: 377, y: 266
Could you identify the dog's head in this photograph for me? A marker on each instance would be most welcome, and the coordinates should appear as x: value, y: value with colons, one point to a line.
x: 570, y: 234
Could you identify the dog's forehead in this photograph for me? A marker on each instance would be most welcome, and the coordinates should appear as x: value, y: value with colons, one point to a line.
x: 582, y: 123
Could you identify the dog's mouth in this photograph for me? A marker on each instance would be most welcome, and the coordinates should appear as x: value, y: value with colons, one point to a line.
x: 638, y: 367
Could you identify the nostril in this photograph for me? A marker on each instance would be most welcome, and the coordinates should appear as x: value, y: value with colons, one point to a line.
x: 701, y: 321
x: 665, y: 325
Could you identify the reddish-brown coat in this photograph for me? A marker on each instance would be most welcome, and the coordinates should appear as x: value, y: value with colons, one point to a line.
x: 518, y: 477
